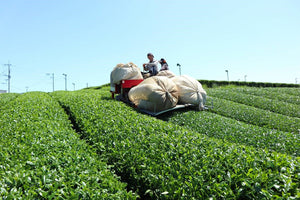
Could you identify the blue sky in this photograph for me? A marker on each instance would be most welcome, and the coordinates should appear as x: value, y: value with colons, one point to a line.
x: 86, y: 39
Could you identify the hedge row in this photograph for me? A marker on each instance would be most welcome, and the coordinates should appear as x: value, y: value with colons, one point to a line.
x: 214, y: 83
x: 5, y: 98
x: 217, y: 126
x: 43, y: 158
x: 276, y: 106
x: 290, y: 91
x: 255, y: 116
x: 161, y: 160
x: 278, y: 94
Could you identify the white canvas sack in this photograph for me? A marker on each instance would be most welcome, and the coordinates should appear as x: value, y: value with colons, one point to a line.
x: 127, y: 71
x: 166, y: 73
x: 154, y: 94
x: 190, y: 91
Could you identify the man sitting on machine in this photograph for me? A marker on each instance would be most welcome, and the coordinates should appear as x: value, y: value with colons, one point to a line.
x: 151, y: 66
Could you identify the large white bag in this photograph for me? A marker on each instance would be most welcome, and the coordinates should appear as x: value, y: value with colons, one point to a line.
x: 166, y: 73
x: 154, y: 94
x: 127, y: 71
x: 190, y: 91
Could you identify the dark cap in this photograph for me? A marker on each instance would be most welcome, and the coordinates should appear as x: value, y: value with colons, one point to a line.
x: 150, y: 54
x: 162, y: 60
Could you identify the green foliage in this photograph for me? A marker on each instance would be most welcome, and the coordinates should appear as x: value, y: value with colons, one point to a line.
x: 161, y: 160
x: 97, y: 87
x: 290, y: 91
x: 231, y: 130
x: 287, y: 95
x: 195, y: 155
x: 43, y: 158
x: 255, y: 116
x: 5, y: 98
x: 272, y: 105
x: 214, y: 83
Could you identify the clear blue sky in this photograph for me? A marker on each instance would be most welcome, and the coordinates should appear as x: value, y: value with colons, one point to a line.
x: 85, y: 39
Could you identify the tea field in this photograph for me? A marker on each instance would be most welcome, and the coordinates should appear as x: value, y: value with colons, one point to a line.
x: 85, y: 145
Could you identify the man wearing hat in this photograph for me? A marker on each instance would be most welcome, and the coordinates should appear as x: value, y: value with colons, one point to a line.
x: 164, y: 65
x: 152, y: 65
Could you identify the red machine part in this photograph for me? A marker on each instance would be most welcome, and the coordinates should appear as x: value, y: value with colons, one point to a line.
x: 124, y: 87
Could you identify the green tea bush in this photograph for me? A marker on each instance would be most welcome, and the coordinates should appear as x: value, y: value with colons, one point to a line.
x: 256, y: 116
x: 280, y: 107
x: 227, y: 129
x: 161, y: 160
x: 43, y: 158
x: 214, y: 83
x: 5, y: 98
x: 290, y: 91
x: 268, y: 93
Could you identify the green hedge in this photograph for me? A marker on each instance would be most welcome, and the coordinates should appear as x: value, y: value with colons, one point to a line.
x: 276, y: 94
x: 5, y: 98
x: 272, y: 105
x: 161, y: 160
x: 43, y: 158
x: 255, y: 116
x: 290, y: 91
x: 217, y: 126
x: 214, y: 83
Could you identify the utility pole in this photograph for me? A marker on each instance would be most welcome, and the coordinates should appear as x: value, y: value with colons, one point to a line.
x: 227, y: 75
x: 179, y: 68
x: 8, y: 66
x: 65, y: 81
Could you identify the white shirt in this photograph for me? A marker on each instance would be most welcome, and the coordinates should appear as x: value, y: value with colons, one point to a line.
x: 152, y: 67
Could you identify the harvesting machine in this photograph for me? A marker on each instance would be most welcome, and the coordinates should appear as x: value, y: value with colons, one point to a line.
x: 124, y: 87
